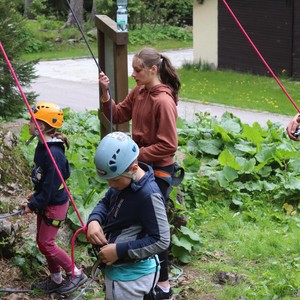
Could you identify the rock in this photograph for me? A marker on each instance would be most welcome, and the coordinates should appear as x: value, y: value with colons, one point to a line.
x: 223, y: 277
x: 8, y: 234
x: 14, y: 168
x: 10, y: 140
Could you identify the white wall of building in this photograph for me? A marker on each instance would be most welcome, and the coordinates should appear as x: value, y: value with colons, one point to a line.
x: 205, y: 32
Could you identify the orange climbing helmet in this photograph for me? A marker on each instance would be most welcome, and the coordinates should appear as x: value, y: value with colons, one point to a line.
x: 49, y: 113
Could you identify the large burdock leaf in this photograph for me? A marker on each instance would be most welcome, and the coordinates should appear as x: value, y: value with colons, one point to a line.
x: 224, y: 133
x: 247, y: 164
x: 226, y: 176
x: 253, y: 134
x: 226, y: 158
x: 210, y: 146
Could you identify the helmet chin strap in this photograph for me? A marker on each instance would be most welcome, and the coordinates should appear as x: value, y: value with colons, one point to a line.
x: 35, y: 133
x: 132, y: 176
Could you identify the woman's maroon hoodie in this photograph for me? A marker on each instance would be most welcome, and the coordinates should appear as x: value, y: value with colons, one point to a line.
x: 154, y: 114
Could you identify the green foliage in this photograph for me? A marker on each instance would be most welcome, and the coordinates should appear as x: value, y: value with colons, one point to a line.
x: 239, y: 160
x: 107, y: 7
x: 152, y: 34
x: 48, y: 40
x: 175, y: 13
x: 28, y: 257
x: 37, y: 7
x: 14, y: 39
x: 184, y: 243
x: 47, y: 8
x: 46, y: 36
x: 238, y: 177
x: 140, y: 13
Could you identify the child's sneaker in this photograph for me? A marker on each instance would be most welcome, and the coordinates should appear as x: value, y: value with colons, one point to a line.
x: 47, y: 286
x: 161, y: 295
x: 71, y: 284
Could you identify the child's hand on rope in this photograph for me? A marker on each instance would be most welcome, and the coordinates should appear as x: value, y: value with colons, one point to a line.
x: 26, y: 209
x: 29, y: 197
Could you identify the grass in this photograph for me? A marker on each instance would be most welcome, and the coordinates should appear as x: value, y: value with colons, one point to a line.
x: 262, y: 252
x: 237, y: 89
x: 80, y: 50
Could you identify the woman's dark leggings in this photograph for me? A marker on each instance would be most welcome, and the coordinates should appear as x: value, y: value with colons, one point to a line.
x: 163, y: 256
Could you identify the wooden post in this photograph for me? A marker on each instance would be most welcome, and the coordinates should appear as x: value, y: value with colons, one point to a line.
x: 113, y: 56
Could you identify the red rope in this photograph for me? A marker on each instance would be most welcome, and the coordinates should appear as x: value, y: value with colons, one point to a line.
x: 46, y: 145
x: 84, y: 228
x: 260, y: 55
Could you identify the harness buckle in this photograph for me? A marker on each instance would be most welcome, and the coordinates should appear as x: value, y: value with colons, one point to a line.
x: 52, y: 222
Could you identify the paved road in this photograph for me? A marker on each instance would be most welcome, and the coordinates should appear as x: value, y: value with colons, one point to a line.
x: 73, y: 83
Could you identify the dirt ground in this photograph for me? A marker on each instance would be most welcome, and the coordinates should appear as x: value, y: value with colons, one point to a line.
x: 11, y: 277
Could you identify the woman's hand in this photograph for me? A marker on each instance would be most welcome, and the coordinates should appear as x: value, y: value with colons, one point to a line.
x: 104, y: 84
x: 292, y: 127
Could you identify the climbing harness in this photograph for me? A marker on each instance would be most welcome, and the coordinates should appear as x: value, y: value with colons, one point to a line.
x: 171, y: 180
x: 260, y: 55
x: 19, y: 212
x: 52, y: 222
x: 178, y: 175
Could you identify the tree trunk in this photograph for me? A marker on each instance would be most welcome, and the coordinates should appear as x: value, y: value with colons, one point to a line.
x: 93, y: 12
x: 77, y: 7
x: 27, y: 6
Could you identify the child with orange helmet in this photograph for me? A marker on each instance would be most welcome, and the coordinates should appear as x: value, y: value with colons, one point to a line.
x: 50, y: 200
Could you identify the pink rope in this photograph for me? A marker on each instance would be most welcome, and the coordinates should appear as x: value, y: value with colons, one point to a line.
x: 46, y: 145
x: 260, y: 55
x: 84, y: 228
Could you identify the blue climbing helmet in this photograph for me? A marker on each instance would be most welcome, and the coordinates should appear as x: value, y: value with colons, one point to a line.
x: 115, y: 153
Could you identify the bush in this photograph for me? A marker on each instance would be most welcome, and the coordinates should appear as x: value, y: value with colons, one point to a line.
x: 14, y: 39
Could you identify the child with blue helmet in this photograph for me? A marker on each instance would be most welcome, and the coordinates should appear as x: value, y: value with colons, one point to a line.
x: 130, y: 223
